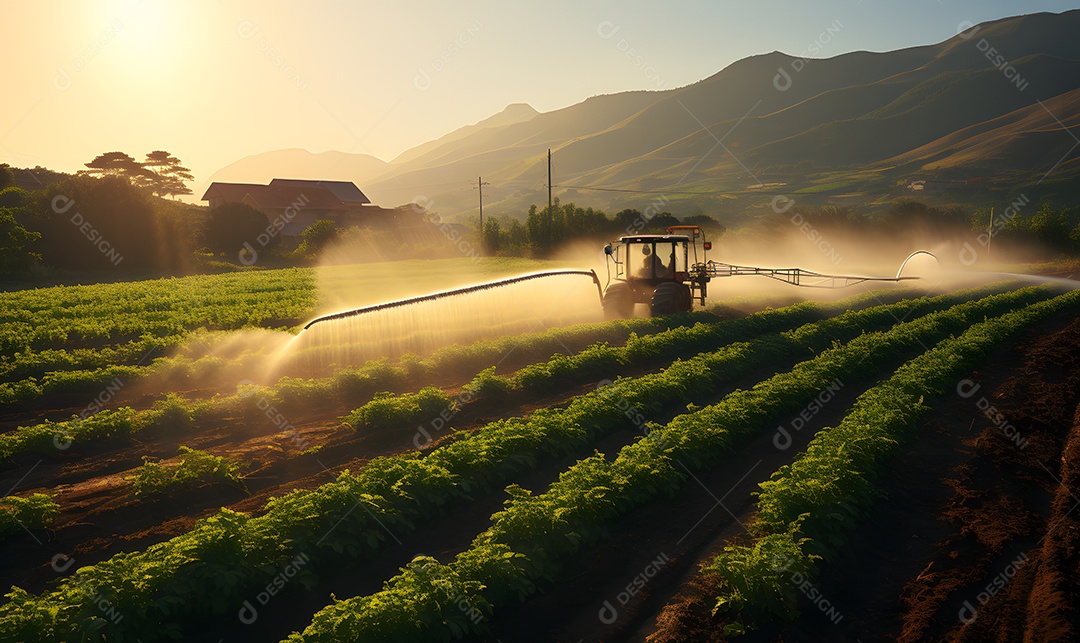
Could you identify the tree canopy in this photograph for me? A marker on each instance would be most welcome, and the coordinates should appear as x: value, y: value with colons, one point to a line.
x: 167, y: 176
x: 15, y: 241
x: 7, y: 178
x: 316, y: 236
x: 106, y: 223
x: 161, y: 173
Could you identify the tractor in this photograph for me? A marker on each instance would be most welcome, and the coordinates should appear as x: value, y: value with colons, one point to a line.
x: 670, y: 271
x: 665, y: 271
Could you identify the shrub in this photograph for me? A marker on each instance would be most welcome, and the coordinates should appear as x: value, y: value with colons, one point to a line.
x: 487, y: 384
x: 194, y: 467
x: 389, y: 410
x: 34, y: 512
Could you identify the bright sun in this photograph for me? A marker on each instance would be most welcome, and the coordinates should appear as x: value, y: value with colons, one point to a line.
x: 153, y: 39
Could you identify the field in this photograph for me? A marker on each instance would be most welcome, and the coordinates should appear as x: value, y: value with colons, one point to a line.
x: 898, y: 463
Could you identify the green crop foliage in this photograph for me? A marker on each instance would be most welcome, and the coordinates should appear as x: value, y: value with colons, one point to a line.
x: 814, y: 503
x: 228, y: 556
x: 600, y: 359
x: 758, y: 578
x: 534, y: 534
x: 52, y: 437
x: 388, y: 410
x: 32, y: 372
x: 45, y: 332
x: 34, y: 512
x: 487, y: 384
x: 44, y: 317
x: 194, y: 468
x: 659, y: 341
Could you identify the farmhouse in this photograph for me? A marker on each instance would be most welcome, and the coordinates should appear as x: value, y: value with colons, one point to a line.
x: 300, y: 202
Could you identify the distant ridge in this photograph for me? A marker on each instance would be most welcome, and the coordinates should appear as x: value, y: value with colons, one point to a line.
x: 514, y: 113
x: 875, y: 117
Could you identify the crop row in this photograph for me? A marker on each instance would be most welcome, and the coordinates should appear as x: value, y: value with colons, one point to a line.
x: 530, y: 539
x: 212, y: 568
x: 87, y: 371
x: 560, y: 371
x: 41, y: 330
x: 190, y: 468
x: 36, y: 511
x: 348, y: 384
x: 182, y: 369
x: 595, y: 361
x: 48, y: 317
x: 31, y: 363
x: 806, y: 510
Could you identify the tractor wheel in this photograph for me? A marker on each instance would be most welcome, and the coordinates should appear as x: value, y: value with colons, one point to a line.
x: 618, y: 301
x: 670, y: 297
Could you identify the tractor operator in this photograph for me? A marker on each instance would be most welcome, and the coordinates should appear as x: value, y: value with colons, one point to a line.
x: 653, y: 266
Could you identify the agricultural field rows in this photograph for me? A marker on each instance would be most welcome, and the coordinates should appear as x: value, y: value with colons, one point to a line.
x: 431, y: 479
x: 74, y: 340
x: 381, y: 481
x: 103, y: 313
x: 348, y: 384
x: 807, y: 509
x: 186, y: 360
x: 179, y: 527
x: 600, y: 348
x: 523, y: 548
x: 786, y: 354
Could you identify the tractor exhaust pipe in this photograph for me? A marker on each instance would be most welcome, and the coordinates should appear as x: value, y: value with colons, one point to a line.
x: 461, y: 291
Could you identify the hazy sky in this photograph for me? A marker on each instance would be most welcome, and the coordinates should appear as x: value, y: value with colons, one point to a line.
x: 215, y: 80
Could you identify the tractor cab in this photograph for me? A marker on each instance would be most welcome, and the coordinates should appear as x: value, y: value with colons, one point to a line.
x: 662, y: 270
x: 653, y: 257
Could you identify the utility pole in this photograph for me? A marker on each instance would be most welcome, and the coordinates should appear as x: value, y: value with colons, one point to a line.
x: 990, y: 233
x: 480, y: 186
x: 550, y: 213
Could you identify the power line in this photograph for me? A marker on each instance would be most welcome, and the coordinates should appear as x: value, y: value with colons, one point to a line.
x: 599, y: 189
x: 712, y: 193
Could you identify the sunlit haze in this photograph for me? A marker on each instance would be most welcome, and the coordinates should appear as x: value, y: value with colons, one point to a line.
x: 213, y: 82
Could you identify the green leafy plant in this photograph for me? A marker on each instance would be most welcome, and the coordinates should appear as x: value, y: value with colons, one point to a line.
x: 387, y: 410
x: 759, y: 579
x: 488, y: 385
x: 194, y: 467
x: 33, y: 512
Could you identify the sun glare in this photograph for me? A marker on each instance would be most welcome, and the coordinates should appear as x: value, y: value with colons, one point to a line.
x: 147, y: 47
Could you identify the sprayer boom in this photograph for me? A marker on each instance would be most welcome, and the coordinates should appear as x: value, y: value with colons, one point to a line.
x: 670, y: 272
x: 665, y: 271
x: 793, y: 276
x: 459, y: 291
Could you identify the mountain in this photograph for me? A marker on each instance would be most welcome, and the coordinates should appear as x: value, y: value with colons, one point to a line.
x: 513, y: 114
x: 926, y: 111
x: 1029, y: 137
x: 861, y: 124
